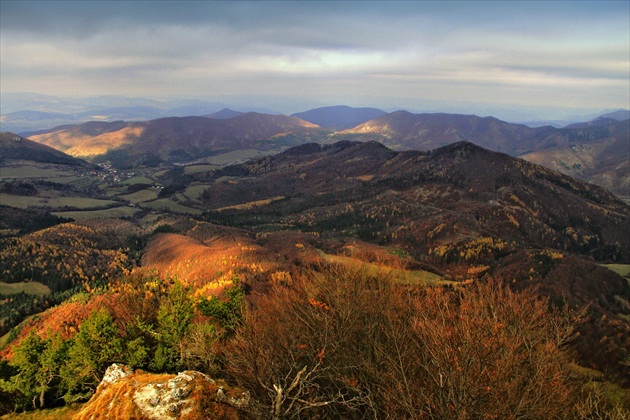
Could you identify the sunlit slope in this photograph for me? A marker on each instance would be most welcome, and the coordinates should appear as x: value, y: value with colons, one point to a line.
x: 180, y: 138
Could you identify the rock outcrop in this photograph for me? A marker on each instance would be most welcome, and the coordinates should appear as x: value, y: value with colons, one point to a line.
x: 189, y: 395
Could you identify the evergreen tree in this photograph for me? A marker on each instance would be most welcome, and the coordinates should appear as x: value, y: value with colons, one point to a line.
x: 38, y: 362
x: 174, y: 316
x: 93, y: 349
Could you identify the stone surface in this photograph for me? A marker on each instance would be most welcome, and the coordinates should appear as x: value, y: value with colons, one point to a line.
x: 190, y: 395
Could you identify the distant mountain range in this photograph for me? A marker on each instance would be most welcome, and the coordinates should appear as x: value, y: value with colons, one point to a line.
x: 25, y: 112
x: 224, y: 114
x: 178, y: 139
x: 459, y: 211
x: 597, y: 150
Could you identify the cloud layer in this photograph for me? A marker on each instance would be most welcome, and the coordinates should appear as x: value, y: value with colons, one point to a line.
x: 565, y: 54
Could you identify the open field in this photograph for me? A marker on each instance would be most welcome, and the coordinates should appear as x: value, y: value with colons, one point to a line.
x: 194, y: 191
x: 138, y: 180
x: 159, y: 173
x: 621, y: 269
x: 232, y: 157
x: 74, y: 180
x: 402, y: 276
x: 112, y: 191
x: 116, y: 212
x: 195, y: 169
x: 140, y: 196
x: 30, y: 288
x: 53, y: 202
x: 33, y: 171
x: 170, y: 205
x: 23, y: 202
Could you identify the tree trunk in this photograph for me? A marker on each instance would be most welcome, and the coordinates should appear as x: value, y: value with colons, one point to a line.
x: 41, y: 398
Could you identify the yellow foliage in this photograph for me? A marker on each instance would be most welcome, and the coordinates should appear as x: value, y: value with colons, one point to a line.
x: 477, y: 270
x: 281, y: 277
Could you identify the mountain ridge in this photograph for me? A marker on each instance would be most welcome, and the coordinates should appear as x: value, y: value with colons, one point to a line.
x: 180, y: 138
x: 602, y: 157
x: 15, y: 147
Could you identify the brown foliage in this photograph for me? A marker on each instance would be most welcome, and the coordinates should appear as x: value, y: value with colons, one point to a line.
x: 340, y: 343
x: 604, y: 337
x: 483, y: 353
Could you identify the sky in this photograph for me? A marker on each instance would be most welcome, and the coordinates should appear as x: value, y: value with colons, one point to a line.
x: 542, y: 55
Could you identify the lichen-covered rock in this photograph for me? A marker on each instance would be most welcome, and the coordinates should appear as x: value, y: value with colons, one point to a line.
x: 191, y: 395
x: 114, y: 373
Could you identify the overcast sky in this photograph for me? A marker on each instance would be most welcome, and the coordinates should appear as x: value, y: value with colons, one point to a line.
x: 573, y: 54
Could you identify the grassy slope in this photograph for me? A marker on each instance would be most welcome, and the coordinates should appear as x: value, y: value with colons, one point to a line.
x: 420, y: 277
x: 622, y: 269
x: 30, y: 288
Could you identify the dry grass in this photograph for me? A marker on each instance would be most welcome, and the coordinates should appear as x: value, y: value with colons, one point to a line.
x: 64, y: 318
x: 116, y: 400
x: 191, y: 261
x: 50, y: 414
x: 207, y: 261
x: 419, y: 277
x: 250, y: 205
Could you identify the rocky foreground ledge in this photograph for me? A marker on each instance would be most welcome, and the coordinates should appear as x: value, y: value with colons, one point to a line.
x: 125, y: 394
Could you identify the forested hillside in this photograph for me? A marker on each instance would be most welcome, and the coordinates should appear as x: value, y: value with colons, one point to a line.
x: 329, y: 281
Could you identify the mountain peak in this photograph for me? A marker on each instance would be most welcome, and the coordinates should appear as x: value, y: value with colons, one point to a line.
x: 225, y: 114
x: 462, y: 147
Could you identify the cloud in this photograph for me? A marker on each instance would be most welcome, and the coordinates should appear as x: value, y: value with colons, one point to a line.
x: 339, y: 50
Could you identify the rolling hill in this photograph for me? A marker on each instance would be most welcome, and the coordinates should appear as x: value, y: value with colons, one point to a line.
x: 14, y: 147
x: 179, y: 138
x: 461, y: 211
x: 604, y: 161
x: 368, y: 190
x: 597, y: 151
x: 457, y: 216
x: 403, y: 130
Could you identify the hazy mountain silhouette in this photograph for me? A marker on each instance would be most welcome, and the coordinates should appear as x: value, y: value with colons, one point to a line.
x: 339, y: 117
x: 225, y: 114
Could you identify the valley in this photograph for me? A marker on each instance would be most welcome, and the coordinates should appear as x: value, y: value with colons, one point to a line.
x: 180, y: 249
x: 595, y: 151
